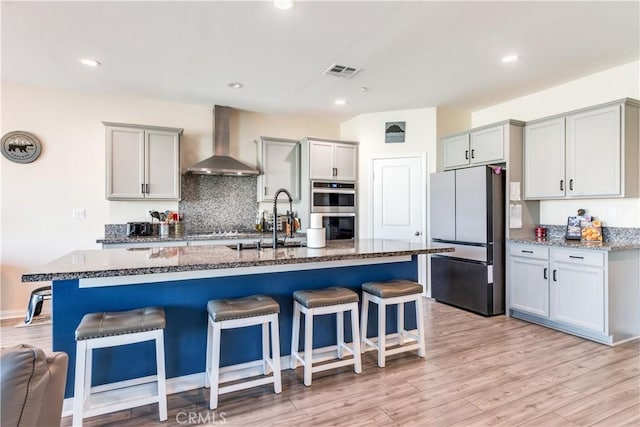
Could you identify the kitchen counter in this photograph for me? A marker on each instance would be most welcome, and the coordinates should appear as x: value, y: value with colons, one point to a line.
x: 577, y: 244
x: 195, y: 237
x: 183, y: 279
x: 102, y: 263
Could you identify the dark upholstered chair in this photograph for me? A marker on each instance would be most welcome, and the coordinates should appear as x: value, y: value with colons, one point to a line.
x: 32, y: 386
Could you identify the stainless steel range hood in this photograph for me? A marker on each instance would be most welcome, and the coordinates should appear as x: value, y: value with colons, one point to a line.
x: 221, y: 163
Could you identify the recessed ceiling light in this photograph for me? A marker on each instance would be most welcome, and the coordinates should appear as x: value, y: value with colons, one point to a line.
x: 510, y: 58
x: 89, y: 62
x: 235, y: 85
x: 340, y: 101
x: 283, y: 4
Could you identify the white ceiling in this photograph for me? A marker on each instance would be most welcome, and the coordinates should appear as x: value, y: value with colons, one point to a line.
x: 412, y: 54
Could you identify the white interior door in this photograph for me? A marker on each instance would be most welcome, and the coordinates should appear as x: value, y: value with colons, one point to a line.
x: 399, y: 193
x: 398, y: 199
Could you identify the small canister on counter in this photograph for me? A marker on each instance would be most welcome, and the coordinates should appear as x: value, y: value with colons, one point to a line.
x: 541, y: 232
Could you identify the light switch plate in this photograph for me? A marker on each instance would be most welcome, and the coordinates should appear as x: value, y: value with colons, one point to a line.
x: 79, y: 214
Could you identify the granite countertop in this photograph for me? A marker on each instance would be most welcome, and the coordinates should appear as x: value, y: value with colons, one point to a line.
x: 577, y: 244
x: 136, y: 261
x: 194, y: 237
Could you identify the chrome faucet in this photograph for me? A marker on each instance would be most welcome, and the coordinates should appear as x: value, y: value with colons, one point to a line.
x: 275, y: 213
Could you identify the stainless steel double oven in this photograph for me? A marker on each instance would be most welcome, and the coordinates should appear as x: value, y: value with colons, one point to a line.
x: 337, y: 202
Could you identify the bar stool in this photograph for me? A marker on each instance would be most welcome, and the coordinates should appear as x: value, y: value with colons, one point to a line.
x: 238, y: 313
x: 325, y: 301
x: 37, y: 299
x: 99, y: 330
x: 388, y: 293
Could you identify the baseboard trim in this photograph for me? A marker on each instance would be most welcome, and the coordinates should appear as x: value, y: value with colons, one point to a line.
x: 12, y: 314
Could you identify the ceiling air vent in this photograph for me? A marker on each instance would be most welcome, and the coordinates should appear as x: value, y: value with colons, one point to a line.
x: 341, y: 71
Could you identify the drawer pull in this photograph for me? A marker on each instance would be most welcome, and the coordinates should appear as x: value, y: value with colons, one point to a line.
x: 544, y: 273
x: 576, y: 257
x: 526, y: 252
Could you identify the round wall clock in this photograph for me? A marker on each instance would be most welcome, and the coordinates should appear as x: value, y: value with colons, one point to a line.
x: 20, y: 147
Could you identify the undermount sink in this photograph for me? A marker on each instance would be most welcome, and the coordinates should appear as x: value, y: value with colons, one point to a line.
x: 254, y: 246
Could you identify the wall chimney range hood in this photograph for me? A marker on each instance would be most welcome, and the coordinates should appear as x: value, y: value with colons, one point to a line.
x: 221, y: 163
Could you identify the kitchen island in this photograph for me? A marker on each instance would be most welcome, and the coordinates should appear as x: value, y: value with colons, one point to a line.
x: 183, y: 279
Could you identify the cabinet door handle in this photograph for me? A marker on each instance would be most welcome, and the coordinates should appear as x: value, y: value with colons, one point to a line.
x: 576, y: 257
x: 466, y: 154
x: 562, y: 185
x: 571, y: 184
x: 146, y: 186
x: 335, y: 171
x: 265, y: 191
x: 526, y: 252
x: 142, y: 188
x: 473, y: 155
x: 544, y: 273
x: 554, y: 276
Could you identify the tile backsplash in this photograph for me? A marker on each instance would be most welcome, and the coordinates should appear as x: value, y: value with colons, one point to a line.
x: 211, y: 202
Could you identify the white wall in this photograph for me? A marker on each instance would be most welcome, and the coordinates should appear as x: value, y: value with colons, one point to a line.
x: 369, y: 129
x: 37, y: 198
x: 615, y: 83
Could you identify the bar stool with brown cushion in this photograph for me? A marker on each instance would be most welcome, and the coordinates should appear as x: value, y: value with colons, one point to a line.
x: 110, y: 329
x: 334, y: 300
x: 388, y: 293
x: 238, y: 313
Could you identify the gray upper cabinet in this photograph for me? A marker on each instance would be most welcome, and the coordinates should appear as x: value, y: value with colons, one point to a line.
x: 544, y: 159
x: 587, y: 153
x: 143, y: 162
x: 329, y: 160
x: 480, y: 146
x: 279, y: 164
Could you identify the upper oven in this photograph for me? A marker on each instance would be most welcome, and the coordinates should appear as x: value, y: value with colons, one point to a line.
x: 333, y: 197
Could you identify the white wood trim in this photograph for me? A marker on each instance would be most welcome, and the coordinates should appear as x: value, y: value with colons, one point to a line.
x: 95, y: 282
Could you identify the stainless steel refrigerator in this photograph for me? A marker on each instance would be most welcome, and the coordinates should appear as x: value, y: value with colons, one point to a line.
x: 467, y: 211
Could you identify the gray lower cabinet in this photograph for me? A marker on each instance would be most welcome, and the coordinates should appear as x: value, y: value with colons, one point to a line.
x: 143, y: 162
x: 590, y: 293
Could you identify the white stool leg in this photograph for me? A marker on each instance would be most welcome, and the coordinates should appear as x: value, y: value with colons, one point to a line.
x: 207, y: 371
x: 382, y: 332
x: 79, y: 387
x: 88, y: 372
x: 161, y: 375
x: 420, y: 325
x: 215, y: 366
x: 275, y: 354
x: 308, y: 346
x: 355, y: 337
x: 340, y: 332
x: 295, y: 334
x: 364, y: 320
x: 266, y: 370
x: 401, y: 323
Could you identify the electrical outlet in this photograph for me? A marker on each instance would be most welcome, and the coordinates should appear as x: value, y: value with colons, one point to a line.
x: 78, y: 214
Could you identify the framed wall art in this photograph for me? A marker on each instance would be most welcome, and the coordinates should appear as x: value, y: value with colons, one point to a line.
x: 394, y: 132
x: 20, y: 147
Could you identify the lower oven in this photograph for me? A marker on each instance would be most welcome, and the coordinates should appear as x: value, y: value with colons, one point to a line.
x: 339, y: 226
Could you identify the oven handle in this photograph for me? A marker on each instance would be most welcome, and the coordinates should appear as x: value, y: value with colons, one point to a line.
x: 335, y: 214
x: 331, y: 191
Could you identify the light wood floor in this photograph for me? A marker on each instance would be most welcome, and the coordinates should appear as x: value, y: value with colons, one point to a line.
x: 477, y: 372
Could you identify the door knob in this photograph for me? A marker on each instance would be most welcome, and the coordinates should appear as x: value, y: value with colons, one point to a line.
x: 417, y: 233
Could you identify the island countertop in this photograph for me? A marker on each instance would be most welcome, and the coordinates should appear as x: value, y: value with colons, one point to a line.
x: 104, y: 263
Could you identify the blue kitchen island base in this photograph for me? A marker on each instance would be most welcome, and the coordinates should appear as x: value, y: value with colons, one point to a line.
x: 185, y: 304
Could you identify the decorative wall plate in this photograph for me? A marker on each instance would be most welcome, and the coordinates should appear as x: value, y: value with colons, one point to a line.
x: 20, y: 147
